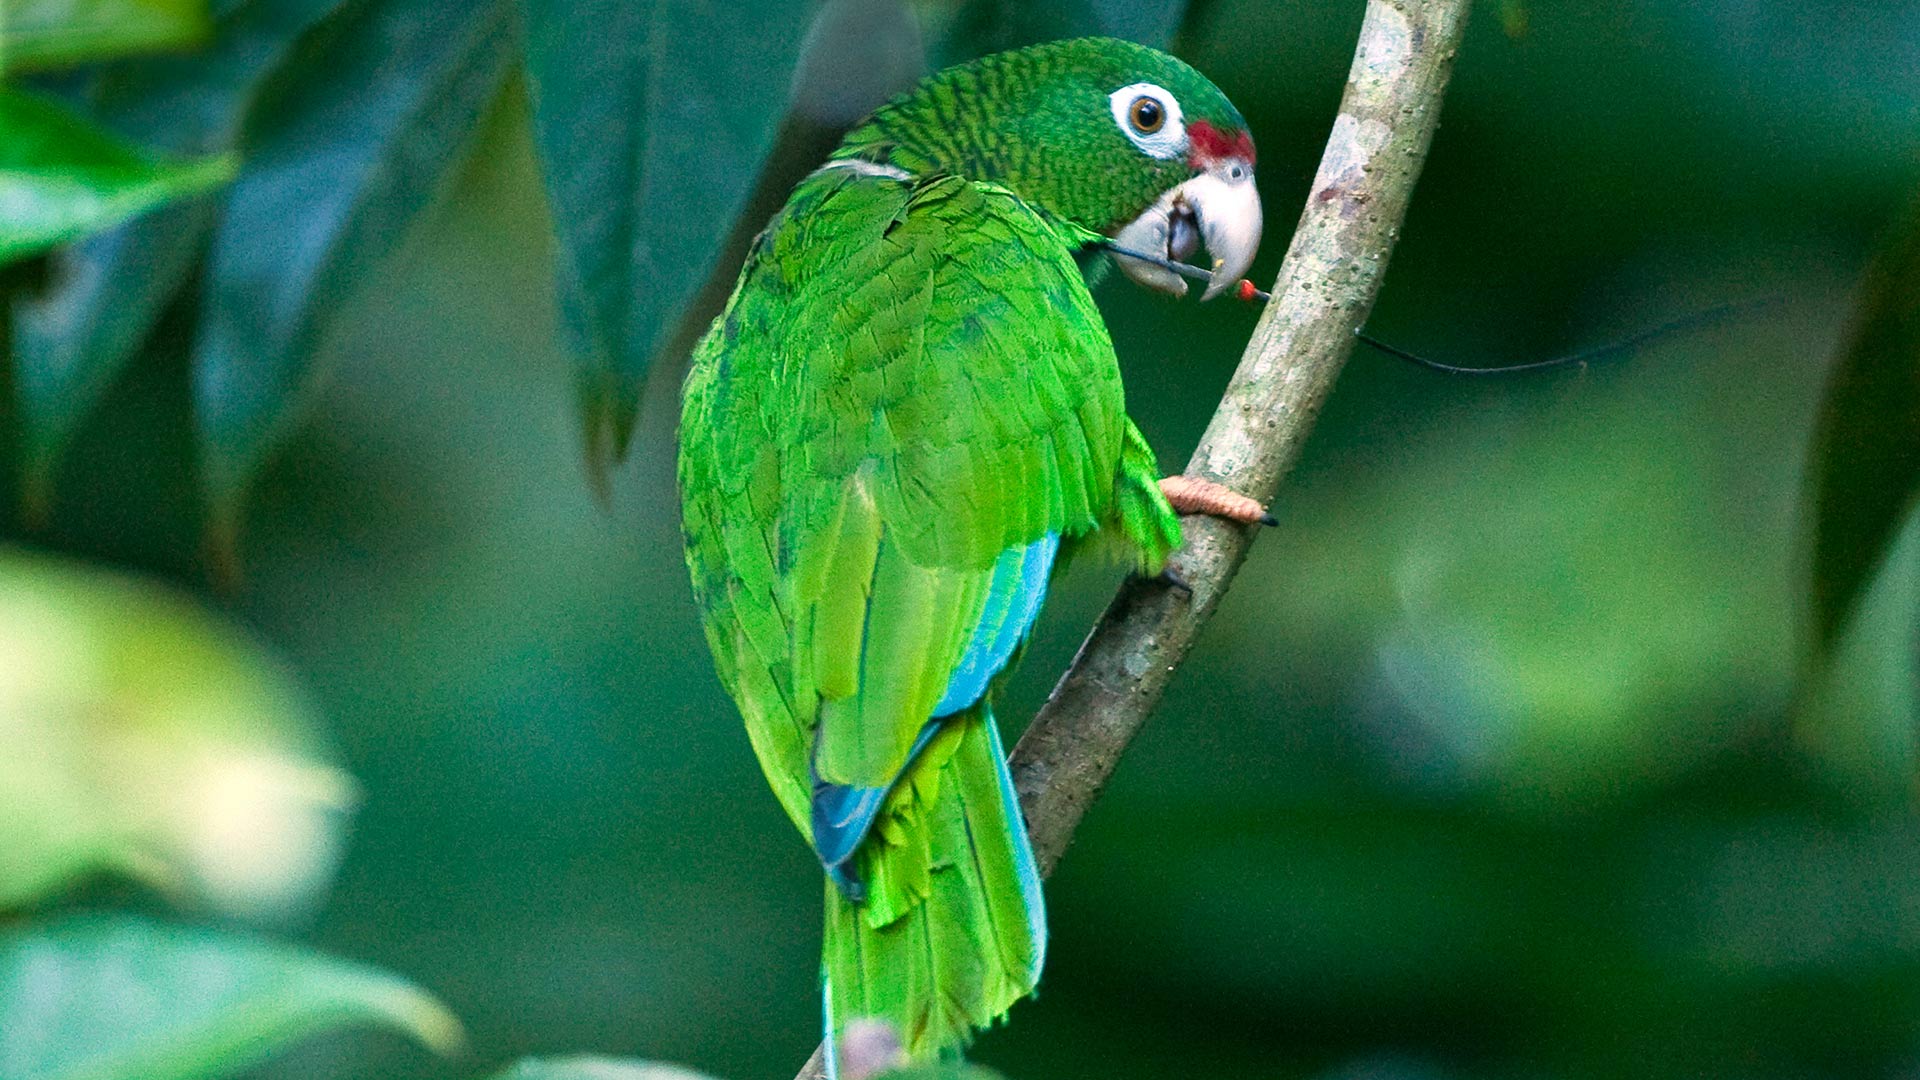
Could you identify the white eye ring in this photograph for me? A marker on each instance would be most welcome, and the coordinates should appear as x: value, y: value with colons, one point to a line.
x: 1170, y: 139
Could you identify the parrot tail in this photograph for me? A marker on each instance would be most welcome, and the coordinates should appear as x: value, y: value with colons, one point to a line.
x: 952, y: 930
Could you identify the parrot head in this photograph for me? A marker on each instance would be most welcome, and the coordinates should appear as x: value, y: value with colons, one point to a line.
x: 1117, y: 138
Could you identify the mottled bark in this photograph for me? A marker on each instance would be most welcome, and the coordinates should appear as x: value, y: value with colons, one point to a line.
x: 1327, y: 285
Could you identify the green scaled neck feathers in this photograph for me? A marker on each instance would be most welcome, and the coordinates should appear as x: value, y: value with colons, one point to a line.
x: 1039, y: 121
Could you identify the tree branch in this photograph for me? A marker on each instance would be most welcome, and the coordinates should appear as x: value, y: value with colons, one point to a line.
x: 1326, y: 287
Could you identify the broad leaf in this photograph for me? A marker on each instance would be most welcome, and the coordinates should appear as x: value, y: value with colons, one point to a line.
x: 964, y: 29
x: 592, y: 1068
x: 121, y: 998
x: 656, y: 123
x: 143, y: 736
x: 61, y: 177
x: 1866, y: 447
x: 73, y: 339
x: 856, y: 55
x: 107, y: 292
x: 353, y: 140
x: 40, y: 34
x: 652, y: 119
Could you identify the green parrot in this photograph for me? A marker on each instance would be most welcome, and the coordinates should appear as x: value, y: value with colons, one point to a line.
x: 905, y: 421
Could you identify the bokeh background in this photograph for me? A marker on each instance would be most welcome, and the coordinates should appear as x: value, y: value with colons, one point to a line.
x: 1497, y: 762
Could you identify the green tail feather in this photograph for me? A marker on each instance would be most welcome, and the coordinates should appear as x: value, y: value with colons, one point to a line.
x: 956, y: 960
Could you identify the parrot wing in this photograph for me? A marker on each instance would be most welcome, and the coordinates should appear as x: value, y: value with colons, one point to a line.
x: 908, y: 402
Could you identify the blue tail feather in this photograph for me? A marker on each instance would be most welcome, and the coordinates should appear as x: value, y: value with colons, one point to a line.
x: 1024, y: 863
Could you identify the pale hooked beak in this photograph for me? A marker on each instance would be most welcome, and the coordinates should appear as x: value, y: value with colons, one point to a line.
x: 1220, y: 207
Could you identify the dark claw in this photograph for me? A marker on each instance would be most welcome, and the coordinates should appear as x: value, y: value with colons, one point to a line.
x: 1173, y: 579
x: 1269, y: 520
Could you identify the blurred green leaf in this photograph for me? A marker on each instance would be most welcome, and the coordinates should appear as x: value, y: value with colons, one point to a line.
x: 648, y: 181
x: 121, y: 998
x: 142, y: 736
x: 1150, y: 22
x: 61, y: 177
x: 592, y: 1068
x: 652, y: 121
x: 964, y: 29
x: 351, y: 140
x: 40, y: 34
x: 856, y: 55
x: 1514, y: 18
x: 75, y: 337
x: 1866, y: 446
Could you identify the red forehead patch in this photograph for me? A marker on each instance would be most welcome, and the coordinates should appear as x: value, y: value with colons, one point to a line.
x: 1210, y: 144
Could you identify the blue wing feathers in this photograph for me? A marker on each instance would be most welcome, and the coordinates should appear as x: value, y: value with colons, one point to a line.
x: 843, y: 814
x: 1014, y: 595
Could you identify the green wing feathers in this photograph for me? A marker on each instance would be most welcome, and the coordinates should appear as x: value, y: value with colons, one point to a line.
x: 909, y: 380
x: 1142, y: 524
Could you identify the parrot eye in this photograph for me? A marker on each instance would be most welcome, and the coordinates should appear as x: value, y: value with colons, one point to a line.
x: 1150, y: 117
x: 1146, y: 115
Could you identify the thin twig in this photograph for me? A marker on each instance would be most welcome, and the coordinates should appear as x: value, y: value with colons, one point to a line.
x: 1326, y: 287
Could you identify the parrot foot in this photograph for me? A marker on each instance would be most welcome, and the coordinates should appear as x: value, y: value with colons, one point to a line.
x: 1192, y: 495
x: 1172, y: 578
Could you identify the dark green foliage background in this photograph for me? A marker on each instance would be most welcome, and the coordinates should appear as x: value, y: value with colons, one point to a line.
x: 1498, y: 762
